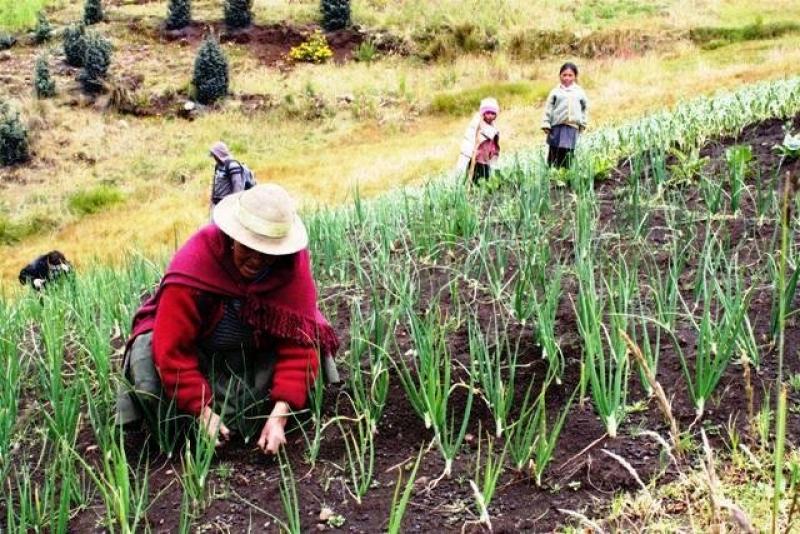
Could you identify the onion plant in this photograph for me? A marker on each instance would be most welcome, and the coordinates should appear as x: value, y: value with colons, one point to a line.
x: 400, y: 500
x: 606, y: 360
x: 494, y: 369
x: 718, y: 334
x: 359, y: 443
x: 428, y: 385
x: 288, y: 492
x: 532, y: 439
x: 738, y: 158
x: 369, y: 341
x: 484, y: 482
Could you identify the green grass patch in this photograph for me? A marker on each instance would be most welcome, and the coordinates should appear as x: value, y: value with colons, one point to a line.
x: 94, y: 200
x: 467, y: 101
x: 18, y: 15
x: 714, y: 37
x: 14, y: 231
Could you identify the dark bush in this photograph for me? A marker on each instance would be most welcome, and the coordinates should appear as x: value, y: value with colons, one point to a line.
x: 179, y: 14
x: 238, y: 13
x: 74, y: 44
x: 92, y: 12
x: 43, y: 31
x: 14, y: 146
x: 96, y: 60
x: 335, y: 14
x: 210, y: 72
x: 7, y: 41
x: 43, y: 83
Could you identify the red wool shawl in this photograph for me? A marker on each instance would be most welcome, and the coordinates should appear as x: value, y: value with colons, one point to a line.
x: 283, y: 305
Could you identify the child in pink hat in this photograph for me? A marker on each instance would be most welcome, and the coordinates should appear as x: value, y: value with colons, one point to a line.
x: 480, y: 147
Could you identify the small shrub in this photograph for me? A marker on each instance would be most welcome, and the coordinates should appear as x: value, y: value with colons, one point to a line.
x: 43, y: 31
x: 314, y: 50
x: 43, y: 83
x: 366, y: 52
x: 335, y: 14
x: 92, y: 12
x: 74, y: 44
x: 179, y: 14
x: 94, y: 200
x: 210, y: 72
x: 7, y: 41
x: 96, y: 60
x: 238, y: 13
x: 13, y: 137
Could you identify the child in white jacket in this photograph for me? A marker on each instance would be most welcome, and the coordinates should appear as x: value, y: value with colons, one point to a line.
x: 565, y: 117
x: 481, y: 142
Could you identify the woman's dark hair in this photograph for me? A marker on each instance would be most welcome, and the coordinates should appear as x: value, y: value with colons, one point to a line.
x: 569, y: 66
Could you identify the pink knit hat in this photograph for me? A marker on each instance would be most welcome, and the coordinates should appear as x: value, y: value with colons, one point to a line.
x: 489, y: 105
x: 220, y: 150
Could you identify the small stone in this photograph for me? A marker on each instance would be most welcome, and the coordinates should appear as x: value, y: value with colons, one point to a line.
x: 189, y: 106
x: 321, y: 526
x: 5, y: 56
x: 325, y: 514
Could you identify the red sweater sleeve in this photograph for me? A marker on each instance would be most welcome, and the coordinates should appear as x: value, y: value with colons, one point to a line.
x: 295, y: 370
x: 177, y: 328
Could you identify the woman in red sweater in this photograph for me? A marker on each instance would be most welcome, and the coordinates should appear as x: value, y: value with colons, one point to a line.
x: 232, y: 335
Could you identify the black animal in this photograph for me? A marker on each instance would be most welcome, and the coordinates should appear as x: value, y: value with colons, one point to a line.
x: 44, y: 269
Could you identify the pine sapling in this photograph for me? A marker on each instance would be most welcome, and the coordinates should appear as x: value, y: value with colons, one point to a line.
x: 179, y: 14
x: 75, y: 44
x: 43, y: 31
x: 93, y: 12
x: 96, y: 60
x: 238, y: 13
x: 335, y: 14
x: 14, y: 146
x: 210, y: 72
x: 43, y: 83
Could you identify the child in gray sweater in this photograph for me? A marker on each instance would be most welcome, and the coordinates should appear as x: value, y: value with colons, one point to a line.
x: 565, y: 116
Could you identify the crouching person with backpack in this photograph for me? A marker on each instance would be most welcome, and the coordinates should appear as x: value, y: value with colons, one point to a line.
x: 230, y: 176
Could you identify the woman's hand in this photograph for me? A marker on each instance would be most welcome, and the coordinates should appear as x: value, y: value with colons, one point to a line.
x: 272, y: 436
x: 546, y: 131
x: 211, y: 423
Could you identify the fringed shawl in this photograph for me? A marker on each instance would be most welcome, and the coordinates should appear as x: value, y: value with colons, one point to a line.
x: 282, y: 305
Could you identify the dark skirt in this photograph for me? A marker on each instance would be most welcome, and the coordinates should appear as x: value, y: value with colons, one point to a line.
x: 563, y: 136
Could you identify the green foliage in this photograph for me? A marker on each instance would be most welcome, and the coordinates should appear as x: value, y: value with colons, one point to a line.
x: 335, y: 14
x: 314, y: 50
x: 179, y: 14
x: 96, y: 60
x: 94, y: 199
x: 464, y: 102
x: 93, y: 12
x: 13, y: 137
x: 20, y: 14
x: 74, y: 44
x: 210, y: 72
x: 714, y: 37
x: 366, y: 52
x: 43, y: 83
x: 238, y: 13
x: 43, y: 31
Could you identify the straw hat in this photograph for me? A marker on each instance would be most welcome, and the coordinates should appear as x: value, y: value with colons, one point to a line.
x: 262, y: 218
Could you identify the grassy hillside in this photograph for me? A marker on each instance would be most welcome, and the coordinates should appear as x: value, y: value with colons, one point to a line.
x: 374, y: 125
